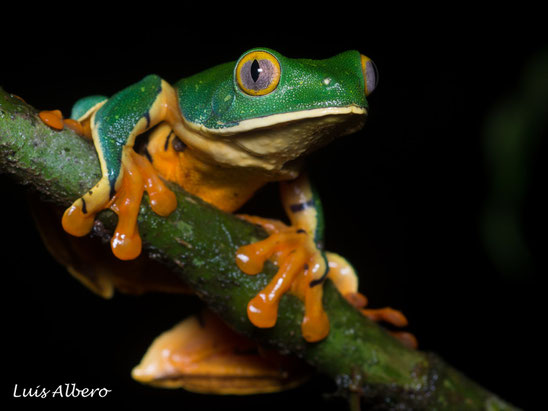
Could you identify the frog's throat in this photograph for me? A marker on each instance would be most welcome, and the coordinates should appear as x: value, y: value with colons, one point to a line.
x: 271, y: 144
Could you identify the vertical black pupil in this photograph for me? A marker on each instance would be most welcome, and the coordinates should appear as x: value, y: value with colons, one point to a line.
x: 255, y: 70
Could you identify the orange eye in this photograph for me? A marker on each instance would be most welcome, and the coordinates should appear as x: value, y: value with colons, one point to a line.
x: 370, y: 74
x: 258, y: 73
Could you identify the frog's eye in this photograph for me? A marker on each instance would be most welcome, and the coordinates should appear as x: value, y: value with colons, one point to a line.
x: 258, y: 73
x: 370, y: 74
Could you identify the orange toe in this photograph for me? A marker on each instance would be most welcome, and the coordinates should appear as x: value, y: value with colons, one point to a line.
x: 76, y: 222
x: 357, y: 300
x: 386, y: 314
x: 262, y: 310
x: 406, y: 338
x: 52, y: 118
x: 74, y: 126
x: 301, y: 268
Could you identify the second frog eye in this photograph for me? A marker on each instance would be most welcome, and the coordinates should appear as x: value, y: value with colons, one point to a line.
x: 258, y: 73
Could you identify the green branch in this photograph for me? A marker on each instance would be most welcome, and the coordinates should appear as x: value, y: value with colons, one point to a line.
x: 199, y: 242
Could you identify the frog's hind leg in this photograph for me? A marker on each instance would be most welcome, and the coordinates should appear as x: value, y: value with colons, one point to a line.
x: 201, y: 354
x: 283, y: 246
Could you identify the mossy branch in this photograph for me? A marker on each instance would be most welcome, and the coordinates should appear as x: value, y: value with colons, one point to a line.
x: 199, y: 242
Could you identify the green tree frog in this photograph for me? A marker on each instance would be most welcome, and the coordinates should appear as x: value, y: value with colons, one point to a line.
x: 222, y: 134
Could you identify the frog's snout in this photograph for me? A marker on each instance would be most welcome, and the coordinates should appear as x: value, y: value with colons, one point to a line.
x: 370, y: 74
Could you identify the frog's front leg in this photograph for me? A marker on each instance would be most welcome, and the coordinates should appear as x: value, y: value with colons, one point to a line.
x: 126, y: 174
x: 302, y: 263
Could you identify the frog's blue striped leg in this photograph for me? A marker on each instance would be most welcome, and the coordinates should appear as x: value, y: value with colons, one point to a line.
x: 303, y: 266
x: 115, y: 125
x: 302, y: 263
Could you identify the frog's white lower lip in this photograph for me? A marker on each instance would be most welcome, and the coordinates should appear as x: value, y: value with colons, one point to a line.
x: 275, y: 119
x: 282, y: 138
x: 272, y: 143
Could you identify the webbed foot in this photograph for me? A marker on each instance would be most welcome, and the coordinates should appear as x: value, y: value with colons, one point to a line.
x: 55, y: 120
x: 201, y: 354
x: 294, y: 253
x: 137, y: 176
x: 302, y: 267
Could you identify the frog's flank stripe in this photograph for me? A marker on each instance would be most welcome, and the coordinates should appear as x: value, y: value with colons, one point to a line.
x: 112, y: 191
x: 166, y: 145
x: 147, y: 116
x: 320, y: 280
x: 319, y: 231
x: 147, y: 155
x: 301, y: 206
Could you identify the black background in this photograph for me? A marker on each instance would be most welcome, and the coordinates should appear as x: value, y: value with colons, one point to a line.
x: 404, y: 199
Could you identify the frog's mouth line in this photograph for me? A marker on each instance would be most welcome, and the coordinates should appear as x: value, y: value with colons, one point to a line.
x: 273, y: 120
x: 291, y: 135
x: 273, y: 142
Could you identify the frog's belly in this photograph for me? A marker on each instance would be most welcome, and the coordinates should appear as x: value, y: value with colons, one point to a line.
x: 225, y: 186
x: 271, y: 144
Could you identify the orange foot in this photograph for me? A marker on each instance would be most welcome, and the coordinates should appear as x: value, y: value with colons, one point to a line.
x: 294, y: 253
x: 301, y: 268
x: 55, y: 120
x: 388, y: 315
x: 137, y: 176
x: 202, y: 354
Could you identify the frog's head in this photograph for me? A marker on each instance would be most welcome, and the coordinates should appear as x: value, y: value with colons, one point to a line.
x: 266, y: 110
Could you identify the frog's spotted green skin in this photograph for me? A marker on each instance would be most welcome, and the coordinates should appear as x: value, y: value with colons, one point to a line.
x: 221, y: 134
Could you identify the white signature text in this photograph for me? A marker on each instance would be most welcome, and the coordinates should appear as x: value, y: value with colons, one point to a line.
x: 61, y: 391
